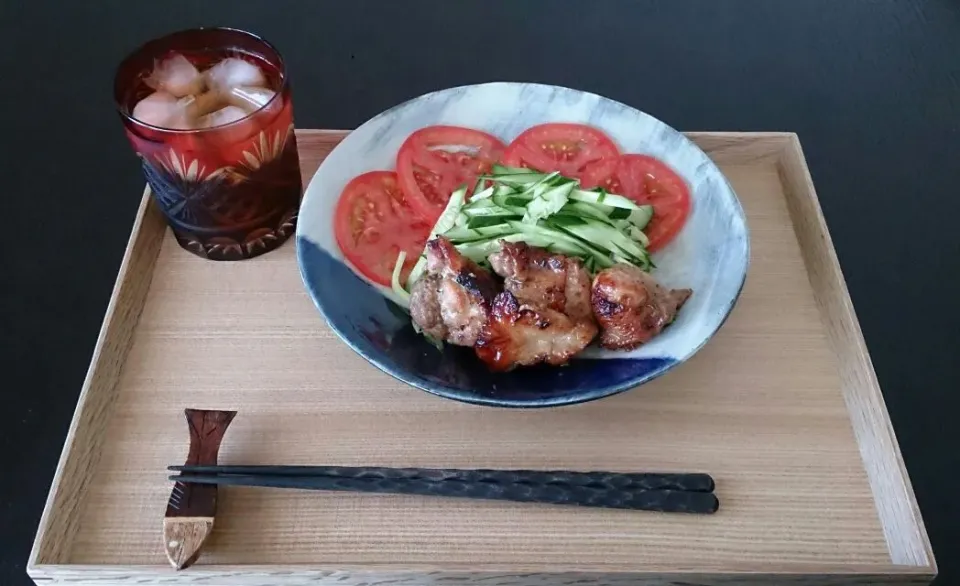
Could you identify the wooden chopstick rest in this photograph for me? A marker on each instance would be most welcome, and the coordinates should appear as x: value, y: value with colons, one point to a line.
x: 192, y: 507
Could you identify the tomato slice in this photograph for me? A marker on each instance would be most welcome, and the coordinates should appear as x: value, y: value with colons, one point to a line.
x: 436, y: 160
x: 373, y: 222
x: 575, y: 150
x: 647, y: 180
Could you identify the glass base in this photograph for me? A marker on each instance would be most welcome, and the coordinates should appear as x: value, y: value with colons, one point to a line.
x: 238, y: 246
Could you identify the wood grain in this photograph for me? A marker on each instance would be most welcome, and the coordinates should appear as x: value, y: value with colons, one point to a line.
x: 81, y: 451
x: 766, y: 408
x: 907, y: 541
x: 311, y: 575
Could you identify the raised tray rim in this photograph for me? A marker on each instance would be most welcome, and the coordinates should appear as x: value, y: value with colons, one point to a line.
x: 899, y: 514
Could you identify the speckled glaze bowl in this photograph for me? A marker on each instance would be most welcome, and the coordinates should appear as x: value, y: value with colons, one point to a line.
x: 710, y: 255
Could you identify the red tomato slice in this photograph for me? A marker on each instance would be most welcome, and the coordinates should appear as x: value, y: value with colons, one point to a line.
x: 373, y: 222
x: 436, y: 160
x: 575, y: 150
x: 647, y: 180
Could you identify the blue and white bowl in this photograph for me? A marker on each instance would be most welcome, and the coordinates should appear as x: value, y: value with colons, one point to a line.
x: 710, y: 255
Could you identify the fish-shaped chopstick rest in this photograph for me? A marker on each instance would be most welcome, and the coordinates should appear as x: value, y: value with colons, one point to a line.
x: 192, y: 507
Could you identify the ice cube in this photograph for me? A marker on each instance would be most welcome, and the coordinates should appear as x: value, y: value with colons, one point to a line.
x: 157, y: 109
x: 195, y: 107
x: 221, y: 117
x: 176, y: 75
x: 250, y: 99
x: 234, y: 72
x: 167, y: 111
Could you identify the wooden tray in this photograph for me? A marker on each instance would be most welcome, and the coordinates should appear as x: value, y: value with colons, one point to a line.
x: 782, y: 407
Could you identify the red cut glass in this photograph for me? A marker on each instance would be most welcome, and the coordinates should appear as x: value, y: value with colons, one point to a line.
x: 230, y: 191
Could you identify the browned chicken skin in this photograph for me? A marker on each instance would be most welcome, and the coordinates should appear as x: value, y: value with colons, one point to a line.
x: 539, y: 277
x: 547, y: 311
x: 631, y: 307
x: 452, y: 301
x: 543, y: 315
x: 522, y: 335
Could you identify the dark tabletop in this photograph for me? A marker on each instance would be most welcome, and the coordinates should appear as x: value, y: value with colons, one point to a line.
x: 872, y: 88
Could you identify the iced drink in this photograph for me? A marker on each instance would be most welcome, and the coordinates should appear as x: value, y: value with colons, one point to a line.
x: 208, y: 112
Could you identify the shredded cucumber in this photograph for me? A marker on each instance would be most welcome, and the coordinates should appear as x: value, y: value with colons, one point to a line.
x: 494, y: 210
x: 395, y: 280
x: 449, y: 215
x: 548, y: 210
x: 482, y: 195
x: 561, y: 238
x: 548, y: 203
x: 479, y: 233
x: 592, y: 231
x: 499, y: 169
x: 635, y: 233
x: 602, y: 197
x: 446, y: 221
x: 479, y: 250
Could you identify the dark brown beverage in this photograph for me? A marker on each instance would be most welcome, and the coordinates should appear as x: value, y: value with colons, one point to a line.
x: 208, y: 112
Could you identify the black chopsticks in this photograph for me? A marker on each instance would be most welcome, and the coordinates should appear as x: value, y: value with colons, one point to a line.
x: 663, y: 492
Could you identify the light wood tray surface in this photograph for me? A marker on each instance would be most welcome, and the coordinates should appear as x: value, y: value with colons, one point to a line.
x: 782, y: 407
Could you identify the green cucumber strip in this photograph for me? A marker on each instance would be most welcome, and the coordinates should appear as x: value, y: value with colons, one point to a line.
x: 633, y: 232
x: 515, y: 180
x: 568, y: 249
x: 494, y: 211
x: 523, y: 181
x: 599, y: 233
x: 499, y: 169
x: 485, y: 202
x: 461, y: 235
x: 395, y: 279
x: 555, y: 236
x: 482, y: 195
x: 644, y: 262
x: 547, y: 204
x: 417, y: 271
x: 487, y: 221
x: 641, y: 216
x: 543, y: 185
x: 447, y: 220
x: 618, y: 213
x: 478, y: 186
x: 590, y: 264
x: 479, y: 250
x: 512, y: 201
x: 585, y: 210
x: 599, y: 197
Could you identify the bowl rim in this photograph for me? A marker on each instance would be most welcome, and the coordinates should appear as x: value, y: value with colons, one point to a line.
x: 592, y: 394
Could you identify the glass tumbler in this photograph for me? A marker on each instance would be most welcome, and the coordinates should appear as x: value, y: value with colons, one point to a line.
x: 208, y: 112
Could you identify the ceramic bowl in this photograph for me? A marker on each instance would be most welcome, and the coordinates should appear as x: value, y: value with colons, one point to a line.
x: 710, y: 255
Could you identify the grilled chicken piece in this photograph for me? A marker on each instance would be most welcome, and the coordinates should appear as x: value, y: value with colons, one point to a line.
x: 451, y: 302
x: 520, y: 334
x: 425, y: 307
x: 631, y: 307
x: 543, y: 314
x: 541, y: 278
